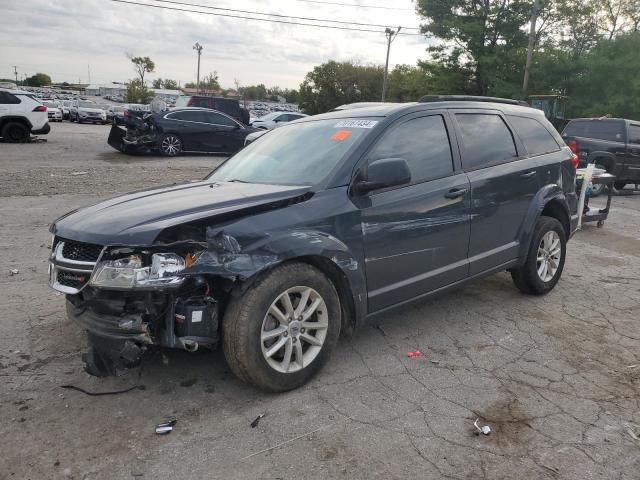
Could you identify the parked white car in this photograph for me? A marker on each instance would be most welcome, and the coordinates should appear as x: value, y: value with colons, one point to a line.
x: 273, y: 119
x: 54, y: 110
x: 21, y: 115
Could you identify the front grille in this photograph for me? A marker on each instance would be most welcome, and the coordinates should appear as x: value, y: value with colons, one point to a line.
x: 80, y: 251
x: 72, y: 279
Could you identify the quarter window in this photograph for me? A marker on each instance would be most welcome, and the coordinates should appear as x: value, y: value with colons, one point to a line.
x: 536, y: 138
x: 486, y: 139
x: 423, y: 142
x: 634, y: 134
x: 189, y: 116
x: 7, y: 99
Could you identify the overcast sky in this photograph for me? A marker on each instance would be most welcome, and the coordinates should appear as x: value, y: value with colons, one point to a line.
x: 63, y: 37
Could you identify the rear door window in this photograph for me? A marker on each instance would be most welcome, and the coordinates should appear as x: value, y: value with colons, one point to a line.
x: 612, y: 131
x: 423, y: 142
x: 217, y: 119
x: 486, y: 140
x: 200, y: 102
x: 536, y: 138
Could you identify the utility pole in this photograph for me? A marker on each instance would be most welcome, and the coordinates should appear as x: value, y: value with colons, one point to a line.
x: 197, y: 47
x: 537, y: 6
x: 89, y: 73
x: 391, y: 35
x: 15, y: 70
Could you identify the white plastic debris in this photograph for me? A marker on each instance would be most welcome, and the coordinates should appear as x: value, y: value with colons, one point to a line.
x: 14, y: 271
x: 75, y: 174
x: 485, y: 429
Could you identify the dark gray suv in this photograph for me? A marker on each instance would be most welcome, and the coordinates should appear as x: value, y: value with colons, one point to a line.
x: 316, y: 228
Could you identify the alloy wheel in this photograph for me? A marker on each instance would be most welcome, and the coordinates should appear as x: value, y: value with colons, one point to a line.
x: 294, y: 329
x: 549, y: 254
x: 171, y: 145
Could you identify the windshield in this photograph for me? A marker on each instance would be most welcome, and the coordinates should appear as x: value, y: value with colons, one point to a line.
x: 51, y: 104
x: 87, y: 104
x: 298, y: 154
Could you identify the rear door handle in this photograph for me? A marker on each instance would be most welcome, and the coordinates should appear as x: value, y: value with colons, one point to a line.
x: 456, y: 192
x: 528, y: 174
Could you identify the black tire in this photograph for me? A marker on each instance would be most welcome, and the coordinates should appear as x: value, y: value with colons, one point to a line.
x: 243, y: 322
x: 526, y: 277
x: 619, y: 185
x: 15, y: 132
x: 170, y: 145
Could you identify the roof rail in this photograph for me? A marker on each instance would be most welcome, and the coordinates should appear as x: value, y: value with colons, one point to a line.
x: 470, y: 98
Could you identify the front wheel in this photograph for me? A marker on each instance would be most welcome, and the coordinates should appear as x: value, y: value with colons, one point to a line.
x: 15, y: 132
x: 545, y: 260
x: 170, y: 145
x: 282, y: 330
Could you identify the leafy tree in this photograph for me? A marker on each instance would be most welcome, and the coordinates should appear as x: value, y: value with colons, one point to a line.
x: 38, y: 80
x: 332, y: 84
x: 408, y: 83
x: 137, y: 92
x: 253, y: 92
x: 164, y: 83
x: 142, y: 65
x: 209, y: 82
x: 481, y: 38
x: 170, y: 84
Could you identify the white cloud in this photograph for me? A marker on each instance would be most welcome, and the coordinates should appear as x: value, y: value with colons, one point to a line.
x: 64, y: 37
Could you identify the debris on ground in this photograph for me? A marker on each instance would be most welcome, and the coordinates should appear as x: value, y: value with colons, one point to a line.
x: 255, y: 423
x: 75, y: 174
x: 413, y: 354
x: 485, y: 429
x: 166, y: 427
x: 13, y: 271
x: 98, y: 394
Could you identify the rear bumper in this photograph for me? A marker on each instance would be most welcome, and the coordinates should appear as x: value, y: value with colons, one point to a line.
x: 42, y: 131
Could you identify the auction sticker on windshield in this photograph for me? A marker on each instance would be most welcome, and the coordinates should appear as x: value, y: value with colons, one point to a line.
x: 356, y: 124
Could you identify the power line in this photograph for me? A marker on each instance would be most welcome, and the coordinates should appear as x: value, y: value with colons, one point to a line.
x: 354, y: 5
x: 270, y: 20
x: 275, y: 14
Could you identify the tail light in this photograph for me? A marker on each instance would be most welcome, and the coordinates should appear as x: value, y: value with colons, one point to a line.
x: 40, y: 108
x: 574, y: 161
x: 573, y: 145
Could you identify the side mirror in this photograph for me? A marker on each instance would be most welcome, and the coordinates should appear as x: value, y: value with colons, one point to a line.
x: 383, y: 173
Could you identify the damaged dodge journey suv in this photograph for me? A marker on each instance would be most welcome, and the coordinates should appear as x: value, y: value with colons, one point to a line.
x: 314, y: 229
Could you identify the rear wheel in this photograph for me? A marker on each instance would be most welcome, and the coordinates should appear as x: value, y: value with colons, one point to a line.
x: 545, y: 260
x: 15, y: 132
x: 619, y: 185
x: 170, y: 145
x: 283, y: 329
x: 598, y: 188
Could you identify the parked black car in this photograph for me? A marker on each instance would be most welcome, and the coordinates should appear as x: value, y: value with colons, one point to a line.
x: 182, y: 130
x: 612, y: 143
x: 316, y: 228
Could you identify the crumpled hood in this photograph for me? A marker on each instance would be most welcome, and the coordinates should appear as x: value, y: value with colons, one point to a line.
x: 137, y: 218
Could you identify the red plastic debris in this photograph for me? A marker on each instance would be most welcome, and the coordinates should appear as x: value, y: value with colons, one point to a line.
x: 417, y: 353
x: 410, y: 354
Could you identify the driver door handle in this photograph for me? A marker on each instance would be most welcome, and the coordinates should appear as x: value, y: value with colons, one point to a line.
x: 528, y: 174
x: 455, y: 193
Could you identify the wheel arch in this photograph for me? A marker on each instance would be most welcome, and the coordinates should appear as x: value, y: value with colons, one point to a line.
x: 13, y: 118
x: 549, y: 201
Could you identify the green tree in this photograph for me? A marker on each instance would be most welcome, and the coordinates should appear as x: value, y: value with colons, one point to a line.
x: 142, y: 66
x: 137, y: 92
x: 484, y: 39
x: 208, y: 82
x: 332, y: 84
x: 38, y: 80
x: 170, y: 84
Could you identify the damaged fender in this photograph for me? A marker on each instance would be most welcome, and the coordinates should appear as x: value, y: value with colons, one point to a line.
x: 242, y: 249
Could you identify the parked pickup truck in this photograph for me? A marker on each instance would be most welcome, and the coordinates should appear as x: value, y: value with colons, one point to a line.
x: 614, y: 143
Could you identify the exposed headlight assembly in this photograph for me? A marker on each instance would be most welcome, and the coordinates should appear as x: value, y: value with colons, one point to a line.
x: 128, y: 273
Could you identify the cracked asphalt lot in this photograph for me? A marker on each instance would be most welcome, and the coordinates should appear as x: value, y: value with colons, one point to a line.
x: 556, y: 378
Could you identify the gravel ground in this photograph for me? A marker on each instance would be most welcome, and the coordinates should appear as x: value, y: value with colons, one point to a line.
x: 556, y: 378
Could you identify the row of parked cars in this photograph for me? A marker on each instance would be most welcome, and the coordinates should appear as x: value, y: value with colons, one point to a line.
x: 88, y: 111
